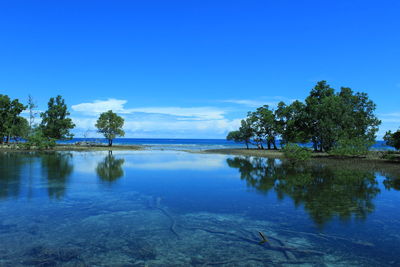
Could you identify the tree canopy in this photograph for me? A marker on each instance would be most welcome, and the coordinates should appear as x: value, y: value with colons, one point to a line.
x: 55, y: 122
x: 325, y: 118
x: 11, y: 123
x: 110, y: 125
x: 393, y: 139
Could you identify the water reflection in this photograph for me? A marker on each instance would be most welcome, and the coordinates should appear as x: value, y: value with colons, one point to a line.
x: 110, y: 169
x: 325, y: 191
x: 10, y: 174
x: 56, y: 167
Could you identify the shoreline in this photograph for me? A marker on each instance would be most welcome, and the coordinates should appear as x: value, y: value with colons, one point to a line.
x: 373, y: 156
x: 74, y: 147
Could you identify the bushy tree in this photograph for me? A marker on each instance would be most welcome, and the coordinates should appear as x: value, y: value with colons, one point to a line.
x: 291, y: 122
x: 55, y: 122
x: 393, y: 139
x: 243, y: 135
x: 334, y: 116
x: 110, y: 125
x: 264, y: 126
x: 10, y: 111
x: 20, y: 129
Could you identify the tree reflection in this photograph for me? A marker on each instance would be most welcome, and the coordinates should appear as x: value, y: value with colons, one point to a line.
x: 110, y: 169
x: 325, y: 191
x: 10, y: 174
x: 57, y: 168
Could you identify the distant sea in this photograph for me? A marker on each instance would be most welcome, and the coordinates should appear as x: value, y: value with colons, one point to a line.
x: 188, y: 144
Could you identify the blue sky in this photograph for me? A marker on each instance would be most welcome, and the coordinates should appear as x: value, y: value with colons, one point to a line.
x: 192, y: 69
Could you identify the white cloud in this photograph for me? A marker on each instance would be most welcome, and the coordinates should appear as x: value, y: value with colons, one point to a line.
x: 169, y: 122
x: 117, y: 105
x: 270, y: 101
x: 99, y: 106
x: 250, y: 103
x: 394, y: 114
x: 206, y: 113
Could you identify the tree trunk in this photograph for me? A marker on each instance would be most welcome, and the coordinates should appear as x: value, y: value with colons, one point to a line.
x: 247, y: 145
x: 110, y: 142
x: 269, y: 144
x: 315, y: 145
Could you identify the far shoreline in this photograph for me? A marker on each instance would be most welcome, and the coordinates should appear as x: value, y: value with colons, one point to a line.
x: 75, y: 147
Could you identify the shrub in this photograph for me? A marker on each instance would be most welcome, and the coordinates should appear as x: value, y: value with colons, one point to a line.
x: 355, y: 147
x: 39, y: 141
x: 295, y: 153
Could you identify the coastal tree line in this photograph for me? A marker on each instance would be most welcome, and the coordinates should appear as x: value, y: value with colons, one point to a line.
x: 55, y: 123
x: 328, y: 119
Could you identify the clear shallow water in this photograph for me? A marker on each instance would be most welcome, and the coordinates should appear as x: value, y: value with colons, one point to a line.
x: 170, y: 208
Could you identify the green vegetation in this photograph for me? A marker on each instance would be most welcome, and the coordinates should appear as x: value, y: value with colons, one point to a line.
x: 325, y: 119
x: 55, y: 122
x: 12, y: 125
x: 295, y: 153
x: 38, y: 140
x: 244, y: 134
x: 351, y: 147
x: 393, y: 139
x: 110, y: 125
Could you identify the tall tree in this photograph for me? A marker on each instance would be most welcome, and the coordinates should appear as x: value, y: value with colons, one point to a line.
x: 315, y: 105
x: 110, y: 125
x: 55, y: 122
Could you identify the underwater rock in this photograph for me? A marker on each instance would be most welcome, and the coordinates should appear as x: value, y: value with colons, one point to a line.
x: 140, y: 249
x: 48, y: 256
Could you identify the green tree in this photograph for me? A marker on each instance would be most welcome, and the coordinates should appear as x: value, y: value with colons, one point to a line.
x: 264, y: 126
x: 243, y: 135
x: 393, y: 139
x: 55, y: 122
x: 20, y: 129
x: 334, y: 116
x: 10, y: 111
x: 291, y: 122
x: 110, y: 125
x: 317, y: 115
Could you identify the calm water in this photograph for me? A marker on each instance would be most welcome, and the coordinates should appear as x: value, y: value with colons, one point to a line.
x: 191, y: 144
x: 171, y: 208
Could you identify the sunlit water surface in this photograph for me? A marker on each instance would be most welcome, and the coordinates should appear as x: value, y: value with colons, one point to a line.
x: 171, y: 208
